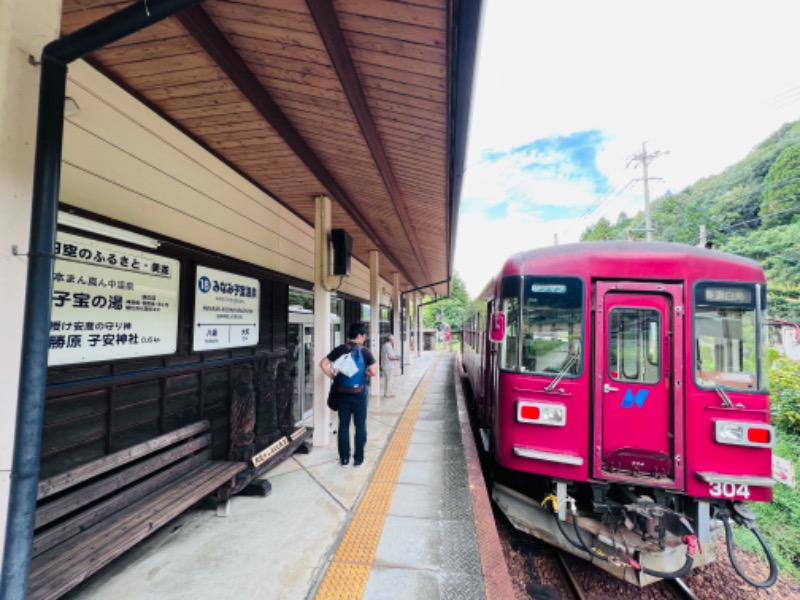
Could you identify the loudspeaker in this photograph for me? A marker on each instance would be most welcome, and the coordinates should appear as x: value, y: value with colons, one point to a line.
x: 342, y: 247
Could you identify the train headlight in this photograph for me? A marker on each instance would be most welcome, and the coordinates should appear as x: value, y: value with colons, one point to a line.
x: 541, y: 413
x: 739, y: 433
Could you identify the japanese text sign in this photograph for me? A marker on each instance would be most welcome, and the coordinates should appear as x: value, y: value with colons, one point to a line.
x: 111, y: 302
x: 226, y: 310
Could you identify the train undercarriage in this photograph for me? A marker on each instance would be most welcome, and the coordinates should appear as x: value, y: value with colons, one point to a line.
x: 633, y: 533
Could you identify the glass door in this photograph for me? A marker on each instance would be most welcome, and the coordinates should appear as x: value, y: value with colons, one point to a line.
x: 307, y: 394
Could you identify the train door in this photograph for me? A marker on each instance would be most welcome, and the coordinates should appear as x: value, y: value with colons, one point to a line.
x: 639, y: 393
x: 489, y: 380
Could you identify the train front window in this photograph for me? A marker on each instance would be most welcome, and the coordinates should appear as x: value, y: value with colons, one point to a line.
x: 726, y: 336
x: 551, y: 325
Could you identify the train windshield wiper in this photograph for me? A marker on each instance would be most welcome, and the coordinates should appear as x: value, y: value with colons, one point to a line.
x: 571, y: 360
x: 726, y: 402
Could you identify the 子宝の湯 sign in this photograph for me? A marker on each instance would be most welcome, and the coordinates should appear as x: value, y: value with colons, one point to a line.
x: 111, y: 302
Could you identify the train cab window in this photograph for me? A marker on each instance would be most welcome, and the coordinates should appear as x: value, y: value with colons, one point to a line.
x: 634, y: 337
x: 509, y: 304
x: 551, y: 325
x: 727, y: 327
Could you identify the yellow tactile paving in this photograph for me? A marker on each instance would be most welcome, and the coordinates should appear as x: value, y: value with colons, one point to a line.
x: 388, y: 471
x: 346, y: 577
x: 378, y: 498
x: 361, y: 538
x: 344, y: 581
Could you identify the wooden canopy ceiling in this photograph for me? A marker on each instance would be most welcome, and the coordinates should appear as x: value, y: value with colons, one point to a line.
x: 365, y: 101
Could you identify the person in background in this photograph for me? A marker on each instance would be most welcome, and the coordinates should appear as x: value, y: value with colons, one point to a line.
x: 352, y: 392
x: 388, y: 362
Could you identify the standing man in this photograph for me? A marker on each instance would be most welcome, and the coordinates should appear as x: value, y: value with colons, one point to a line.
x: 352, y: 392
x: 388, y: 360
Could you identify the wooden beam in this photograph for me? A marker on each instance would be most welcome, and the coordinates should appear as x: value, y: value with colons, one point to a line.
x: 331, y: 33
x: 200, y: 26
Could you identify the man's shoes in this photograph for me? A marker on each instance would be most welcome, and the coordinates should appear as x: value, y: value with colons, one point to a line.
x: 345, y: 461
x: 358, y: 463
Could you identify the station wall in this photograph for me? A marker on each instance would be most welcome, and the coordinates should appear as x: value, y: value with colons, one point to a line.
x: 126, y: 163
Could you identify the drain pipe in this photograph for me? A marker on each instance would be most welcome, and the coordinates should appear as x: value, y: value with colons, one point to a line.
x: 403, y: 303
x: 38, y: 290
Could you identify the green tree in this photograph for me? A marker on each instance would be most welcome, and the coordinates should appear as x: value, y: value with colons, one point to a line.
x: 602, y: 230
x: 781, y: 198
x: 448, y: 311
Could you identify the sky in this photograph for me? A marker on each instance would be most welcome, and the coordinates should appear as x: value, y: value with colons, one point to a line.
x: 567, y: 91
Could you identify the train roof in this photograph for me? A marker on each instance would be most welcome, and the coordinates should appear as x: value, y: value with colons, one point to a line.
x: 631, y: 260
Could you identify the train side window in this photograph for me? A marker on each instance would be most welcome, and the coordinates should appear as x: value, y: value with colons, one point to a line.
x: 508, y: 350
x: 509, y: 304
x: 634, y: 336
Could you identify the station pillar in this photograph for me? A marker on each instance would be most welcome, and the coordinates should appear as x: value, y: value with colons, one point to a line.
x: 322, y: 321
x: 407, y: 329
x: 374, y: 318
x: 396, y: 309
x: 25, y: 27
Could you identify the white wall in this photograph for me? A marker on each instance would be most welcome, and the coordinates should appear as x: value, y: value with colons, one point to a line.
x: 124, y: 162
x: 25, y: 27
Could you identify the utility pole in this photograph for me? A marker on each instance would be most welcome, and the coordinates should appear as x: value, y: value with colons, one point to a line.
x: 645, y: 158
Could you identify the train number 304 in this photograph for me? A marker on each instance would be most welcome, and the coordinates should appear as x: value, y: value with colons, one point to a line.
x: 729, y: 490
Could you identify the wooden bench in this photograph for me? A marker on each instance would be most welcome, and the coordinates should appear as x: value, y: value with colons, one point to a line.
x: 87, y: 517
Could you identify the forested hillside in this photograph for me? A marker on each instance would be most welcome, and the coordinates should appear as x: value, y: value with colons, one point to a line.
x: 751, y: 209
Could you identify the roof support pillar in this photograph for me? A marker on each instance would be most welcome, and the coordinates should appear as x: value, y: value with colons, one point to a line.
x: 374, y: 316
x: 396, y: 304
x: 418, y: 317
x: 322, y: 320
x: 406, y: 329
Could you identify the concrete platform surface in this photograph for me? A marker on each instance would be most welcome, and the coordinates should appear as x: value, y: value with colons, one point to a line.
x: 285, y: 546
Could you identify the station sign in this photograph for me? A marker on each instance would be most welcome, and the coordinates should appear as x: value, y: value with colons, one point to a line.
x: 110, y: 302
x: 226, y: 310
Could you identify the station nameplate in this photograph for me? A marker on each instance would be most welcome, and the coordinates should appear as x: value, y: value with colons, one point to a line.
x: 226, y: 310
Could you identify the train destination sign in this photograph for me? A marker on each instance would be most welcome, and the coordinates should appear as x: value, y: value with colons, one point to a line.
x: 226, y: 310
x: 111, y: 302
x: 732, y: 295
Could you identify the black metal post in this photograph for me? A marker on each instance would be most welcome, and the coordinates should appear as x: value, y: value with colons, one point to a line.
x: 38, y: 291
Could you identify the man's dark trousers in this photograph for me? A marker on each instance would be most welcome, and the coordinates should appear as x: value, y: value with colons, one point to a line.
x: 355, y: 405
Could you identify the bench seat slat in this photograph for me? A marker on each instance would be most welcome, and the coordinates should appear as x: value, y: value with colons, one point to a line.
x: 86, y: 519
x: 65, y: 566
x: 63, y: 506
x: 62, y: 481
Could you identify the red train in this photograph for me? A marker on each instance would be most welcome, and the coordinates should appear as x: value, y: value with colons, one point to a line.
x: 620, y: 392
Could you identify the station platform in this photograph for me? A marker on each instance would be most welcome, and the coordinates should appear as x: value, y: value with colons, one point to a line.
x: 414, y: 521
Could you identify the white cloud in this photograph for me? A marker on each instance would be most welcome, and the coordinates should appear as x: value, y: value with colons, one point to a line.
x: 706, y: 81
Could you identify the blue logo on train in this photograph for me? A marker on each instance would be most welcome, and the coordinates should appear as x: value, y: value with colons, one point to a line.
x: 204, y: 283
x: 630, y: 399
